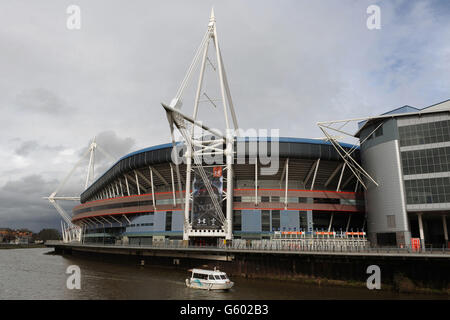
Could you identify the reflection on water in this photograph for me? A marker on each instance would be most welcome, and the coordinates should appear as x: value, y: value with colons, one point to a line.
x: 34, y: 274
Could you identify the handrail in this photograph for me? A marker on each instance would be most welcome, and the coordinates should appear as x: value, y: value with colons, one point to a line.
x: 308, y: 245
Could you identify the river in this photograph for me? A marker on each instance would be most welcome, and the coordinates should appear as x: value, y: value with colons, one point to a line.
x: 33, y: 274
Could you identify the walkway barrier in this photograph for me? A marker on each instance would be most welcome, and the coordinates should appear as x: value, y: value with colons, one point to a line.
x: 273, y: 245
x: 306, y: 244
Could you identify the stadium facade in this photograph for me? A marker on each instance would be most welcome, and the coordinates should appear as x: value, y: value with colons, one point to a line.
x: 138, y: 199
x: 395, y: 185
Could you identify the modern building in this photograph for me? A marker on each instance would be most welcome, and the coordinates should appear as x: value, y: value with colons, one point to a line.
x: 138, y: 199
x: 317, y: 186
x: 406, y: 150
x: 408, y: 154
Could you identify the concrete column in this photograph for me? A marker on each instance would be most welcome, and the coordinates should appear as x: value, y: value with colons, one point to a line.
x: 444, y: 224
x: 187, y: 199
x: 309, y: 217
x: 309, y: 221
x: 422, y: 237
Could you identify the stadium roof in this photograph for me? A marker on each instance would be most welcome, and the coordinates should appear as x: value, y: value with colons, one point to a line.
x: 159, y: 154
x: 404, y: 111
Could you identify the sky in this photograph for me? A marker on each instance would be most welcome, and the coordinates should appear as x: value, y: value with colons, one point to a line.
x: 289, y: 65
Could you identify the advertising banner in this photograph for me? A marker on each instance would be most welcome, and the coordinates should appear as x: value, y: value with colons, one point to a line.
x: 204, y: 215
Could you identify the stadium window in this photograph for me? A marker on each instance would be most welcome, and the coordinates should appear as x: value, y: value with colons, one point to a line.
x: 326, y: 200
x: 275, y: 220
x: 302, y: 200
x: 275, y: 199
x: 265, y: 220
x: 302, y: 221
x: 265, y: 199
x: 169, y: 221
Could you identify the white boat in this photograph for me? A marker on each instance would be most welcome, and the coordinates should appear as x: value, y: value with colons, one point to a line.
x: 208, y: 280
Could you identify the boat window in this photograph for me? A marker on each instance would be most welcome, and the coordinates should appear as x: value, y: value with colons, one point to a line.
x: 211, y: 277
x: 223, y: 277
x: 200, y: 276
x: 217, y: 277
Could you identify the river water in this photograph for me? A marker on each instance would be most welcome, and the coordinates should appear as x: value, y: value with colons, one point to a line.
x: 39, y: 274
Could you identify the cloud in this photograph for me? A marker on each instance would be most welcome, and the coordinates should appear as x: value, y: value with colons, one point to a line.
x: 110, y: 147
x: 29, y: 146
x: 41, y: 101
x: 21, y: 204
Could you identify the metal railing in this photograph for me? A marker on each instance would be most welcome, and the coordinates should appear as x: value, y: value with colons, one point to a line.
x: 274, y: 245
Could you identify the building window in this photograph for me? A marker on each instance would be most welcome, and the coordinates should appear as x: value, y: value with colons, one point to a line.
x: 250, y: 199
x: 302, y: 220
x: 237, y: 220
x: 265, y: 199
x: 302, y: 200
x: 169, y: 221
x: 275, y: 199
x: 265, y: 220
x: 327, y: 200
x: 289, y: 199
x: 424, y: 133
x: 426, y: 161
x: 433, y: 190
x: 237, y: 199
x: 275, y: 220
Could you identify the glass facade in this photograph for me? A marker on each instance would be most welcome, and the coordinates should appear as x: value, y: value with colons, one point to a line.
x: 275, y: 220
x: 433, y: 190
x: 424, y: 133
x: 426, y: 161
x: 302, y: 220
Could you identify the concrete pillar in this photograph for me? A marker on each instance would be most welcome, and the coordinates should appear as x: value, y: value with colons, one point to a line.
x: 422, y: 237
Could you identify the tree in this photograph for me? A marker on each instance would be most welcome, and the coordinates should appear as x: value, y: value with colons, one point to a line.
x: 48, y: 234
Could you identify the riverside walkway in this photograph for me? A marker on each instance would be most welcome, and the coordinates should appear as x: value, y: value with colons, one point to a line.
x: 257, y: 247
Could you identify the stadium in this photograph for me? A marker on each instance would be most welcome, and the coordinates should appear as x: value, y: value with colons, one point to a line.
x: 138, y: 199
x: 206, y: 187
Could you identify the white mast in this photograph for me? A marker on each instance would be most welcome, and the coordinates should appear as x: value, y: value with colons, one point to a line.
x: 197, y: 148
x: 71, y: 231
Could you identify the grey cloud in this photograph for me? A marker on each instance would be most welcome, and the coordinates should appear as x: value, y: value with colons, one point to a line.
x: 112, y: 144
x: 41, y: 101
x: 26, y: 148
x: 29, y: 146
x: 21, y: 204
